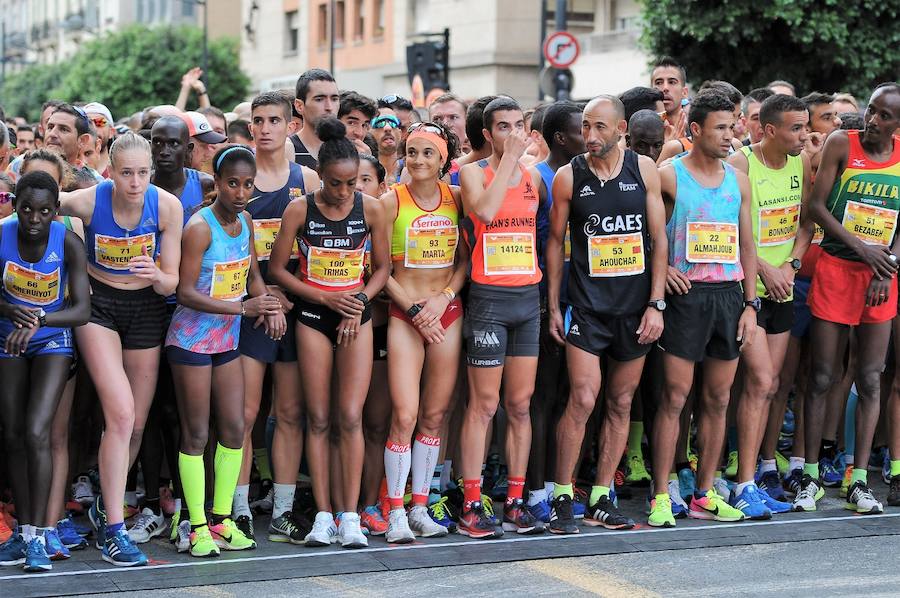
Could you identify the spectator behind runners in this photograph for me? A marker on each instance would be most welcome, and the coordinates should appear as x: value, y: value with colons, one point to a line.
x: 449, y: 110
x: 317, y: 97
x: 642, y: 98
x: 356, y: 112
x: 403, y: 108
x: 25, y: 139
x: 844, y: 102
x: 781, y: 86
x: 239, y: 132
x: 204, y: 140
x: 750, y: 113
x: 670, y: 78
x: 646, y: 133
x: 102, y: 119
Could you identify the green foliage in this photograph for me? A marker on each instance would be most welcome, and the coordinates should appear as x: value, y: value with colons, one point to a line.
x: 818, y: 45
x: 24, y: 92
x: 131, y: 69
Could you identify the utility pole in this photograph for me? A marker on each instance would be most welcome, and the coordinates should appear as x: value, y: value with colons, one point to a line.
x: 331, y: 38
x: 561, y: 80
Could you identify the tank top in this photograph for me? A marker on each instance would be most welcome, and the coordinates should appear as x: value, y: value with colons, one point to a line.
x: 423, y: 238
x: 865, y: 199
x: 703, y: 231
x: 223, y: 276
x: 774, y: 209
x: 267, y: 208
x: 504, y: 251
x: 109, y: 246
x: 610, y: 267
x: 301, y: 154
x: 192, y: 195
x: 332, y: 252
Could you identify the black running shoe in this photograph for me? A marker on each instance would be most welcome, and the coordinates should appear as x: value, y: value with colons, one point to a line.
x: 517, y: 518
x: 476, y: 524
x: 604, y: 513
x: 893, y: 498
x: 245, y: 524
x: 562, y: 517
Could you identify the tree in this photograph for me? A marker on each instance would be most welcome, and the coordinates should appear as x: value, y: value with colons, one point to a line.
x: 818, y: 45
x: 129, y: 70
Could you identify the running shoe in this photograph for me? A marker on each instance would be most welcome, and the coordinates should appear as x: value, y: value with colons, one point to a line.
x: 579, y: 504
x: 713, y: 507
x: 661, y: 512
x: 886, y: 467
x: 776, y: 506
x: 876, y: 459
x: 83, y: 491
x: 398, y: 531
x: 845, y: 483
x: 893, y: 498
x: 12, y: 552
x: 69, y: 536
x: 350, y: 532
x: 54, y: 547
x: 782, y: 463
x: 283, y: 529
x: 97, y: 517
x: 686, y: 483
x: 604, y: 513
x: 785, y: 443
x: 36, y: 559
x: 562, y: 515
x: 732, y: 466
x: 619, y: 486
x: 861, y: 500
x: 120, y: 551
x: 810, y: 491
x: 635, y: 470
x: 266, y: 502
x: 5, y: 531
x: 228, y: 536
x: 770, y: 483
x: 788, y: 426
x: 146, y: 526
x: 793, y: 482
x: 372, y: 520
x: 129, y: 511
x: 751, y: 503
x: 488, y: 503
x: 831, y: 477
x: 74, y: 508
x: 181, y: 536
x: 723, y: 487
x: 323, y: 531
x: 166, y: 501
x: 442, y: 514
x: 541, y: 510
x: 476, y: 523
x: 202, y: 543
x: 517, y: 518
x: 245, y: 524
x: 501, y: 488
x: 679, y: 507
x: 421, y: 523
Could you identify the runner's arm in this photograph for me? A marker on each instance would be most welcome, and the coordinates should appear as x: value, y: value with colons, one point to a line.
x: 559, y: 218
x: 78, y: 308
x: 291, y: 221
x: 807, y: 227
x: 380, y: 235
x: 747, y: 244
x: 171, y: 217
x: 311, y: 180
x: 656, y: 224
x: 78, y: 203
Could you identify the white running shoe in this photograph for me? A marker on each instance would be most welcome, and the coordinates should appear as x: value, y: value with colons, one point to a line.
x: 82, y: 491
x: 147, y: 525
x: 323, y: 532
x: 675, y: 495
x: 183, y: 540
x: 351, y: 533
x: 861, y: 500
x: 423, y: 525
x: 398, y: 531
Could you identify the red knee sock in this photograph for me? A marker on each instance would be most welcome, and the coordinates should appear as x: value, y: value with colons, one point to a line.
x: 515, y: 489
x: 471, y: 492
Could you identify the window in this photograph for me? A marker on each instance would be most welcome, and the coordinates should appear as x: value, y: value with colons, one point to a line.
x: 323, y: 24
x: 378, y: 23
x: 187, y: 8
x: 359, y: 21
x: 339, y: 14
x: 292, y: 32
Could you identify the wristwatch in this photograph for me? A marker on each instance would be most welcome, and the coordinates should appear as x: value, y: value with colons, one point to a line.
x: 362, y: 297
x: 795, y: 263
x: 413, y: 311
x: 657, y: 304
x: 755, y: 303
x: 42, y: 318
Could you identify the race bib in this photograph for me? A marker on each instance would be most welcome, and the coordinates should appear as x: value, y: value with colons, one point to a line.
x: 264, y: 232
x: 818, y: 235
x: 616, y: 255
x: 869, y: 224
x: 778, y: 226
x: 712, y: 243
x: 508, y: 253
x: 115, y: 253
x: 33, y: 287
x: 430, y: 247
x: 335, y: 267
x: 229, y: 282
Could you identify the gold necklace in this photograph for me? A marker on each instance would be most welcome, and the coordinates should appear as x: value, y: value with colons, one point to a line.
x: 596, y: 170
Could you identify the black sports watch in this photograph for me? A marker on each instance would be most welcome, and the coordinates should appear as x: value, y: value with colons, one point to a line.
x: 795, y: 263
x: 362, y: 297
x: 657, y: 304
x: 413, y: 311
x: 42, y: 318
x: 755, y: 303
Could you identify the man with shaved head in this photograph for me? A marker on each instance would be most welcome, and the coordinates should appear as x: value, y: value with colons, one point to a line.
x: 646, y: 134
x: 610, y: 198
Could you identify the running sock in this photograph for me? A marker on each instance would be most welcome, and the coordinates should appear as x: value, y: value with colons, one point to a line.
x: 261, y: 458
x: 271, y: 424
x: 153, y: 505
x: 193, y: 483
x: 895, y: 467
x: 436, y: 478
x: 536, y: 497
x: 767, y: 465
x: 827, y: 450
x: 397, y: 461
x: 700, y: 493
x: 284, y: 499
x: 483, y: 469
x: 796, y: 463
x: 597, y: 492
x: 227, y: 470
x: 850, y: 422
x: 811, y: 469
x: 111, y: 528
x: 859, y: 474
x: 241, y: 503
x: 741, y: 486
x: 28, y: 532
x: 635, y: 435
x: 217, y: 519
x: 471, y: 493
x: 425, y: 452
x: 446, y: 471
x: 515, y: 489
x: 548, y: 489
x: 732, y: 438
x: 564, y: 490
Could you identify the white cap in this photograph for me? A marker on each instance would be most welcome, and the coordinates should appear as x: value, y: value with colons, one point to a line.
x: 98, y: 108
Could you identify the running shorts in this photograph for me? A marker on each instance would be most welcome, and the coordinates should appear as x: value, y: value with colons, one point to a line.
x: 704, y: 322
x: 501, y: 322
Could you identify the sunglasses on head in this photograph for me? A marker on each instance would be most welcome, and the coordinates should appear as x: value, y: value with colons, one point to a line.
x: 429, y: 127
x: 100, y: 121
x: 380, y: 122
x: 6, y: 197
x: 391, y: 98
x: 82, y: 114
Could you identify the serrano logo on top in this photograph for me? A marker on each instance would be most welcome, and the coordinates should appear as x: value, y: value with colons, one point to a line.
x: 432, y: 221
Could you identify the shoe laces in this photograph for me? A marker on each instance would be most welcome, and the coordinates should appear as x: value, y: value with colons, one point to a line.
x: 124, y: 543
x: 619, y: 478
x: 373, y: 512
x: 487, y: 505
x: 439, y: 509
x: 35, y: 547
x: 861, y: 491
x: 289, y: 526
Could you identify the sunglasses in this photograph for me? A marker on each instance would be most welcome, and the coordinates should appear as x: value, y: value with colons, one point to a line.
x: 6, y: 197
x: 100, y: 121
x: 430, y: 128
x: 381, y: 122
x: 82, y: 114
x: 391, y: 98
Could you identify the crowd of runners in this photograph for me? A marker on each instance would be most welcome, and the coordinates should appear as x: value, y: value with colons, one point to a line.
x: 347, y: 317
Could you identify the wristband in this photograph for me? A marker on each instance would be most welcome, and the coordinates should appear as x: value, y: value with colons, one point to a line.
x: 243, y: 309
x: 449, y: 294
x: 201, y: 93
x: 413, y: 311
x: 363, y: 298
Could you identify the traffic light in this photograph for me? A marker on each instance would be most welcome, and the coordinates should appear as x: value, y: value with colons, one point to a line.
x: 431, y: 61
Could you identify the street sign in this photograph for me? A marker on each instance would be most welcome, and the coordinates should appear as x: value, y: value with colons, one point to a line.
x: 561, y: 49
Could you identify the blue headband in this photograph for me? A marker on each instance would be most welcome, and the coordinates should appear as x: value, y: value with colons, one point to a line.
x: 228, y: 151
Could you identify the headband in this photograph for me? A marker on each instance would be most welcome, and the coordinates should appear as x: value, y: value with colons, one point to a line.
x: 218, y: 163
x: 434, y: 138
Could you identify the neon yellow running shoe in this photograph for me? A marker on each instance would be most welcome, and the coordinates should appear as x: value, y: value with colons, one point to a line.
x: 637, y: 472
x: 173, y: 532
x: 488, y: 503
x: 845, y: 484
x: 202, y: 544
x: 661, y: 511
x: 782, y: 463
x: 228, y: 536
x: 732, y: 467
x: 713, y: 507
